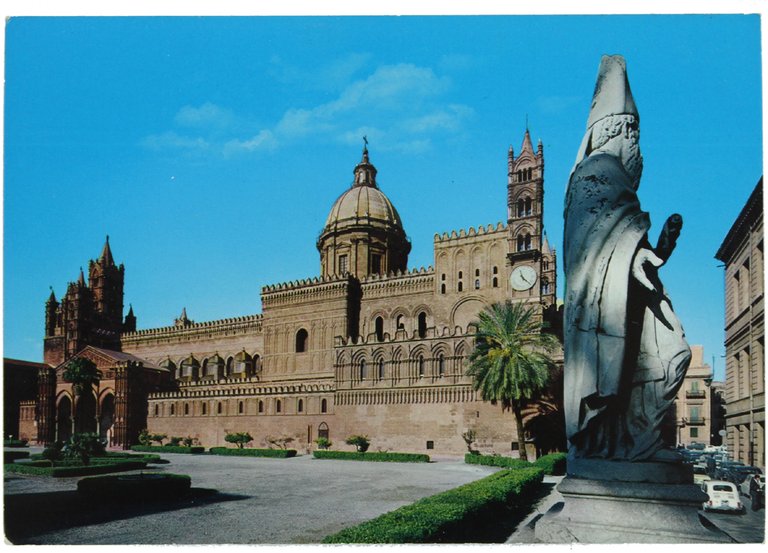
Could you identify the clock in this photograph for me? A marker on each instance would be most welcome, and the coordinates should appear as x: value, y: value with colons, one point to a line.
x: 523, y: 278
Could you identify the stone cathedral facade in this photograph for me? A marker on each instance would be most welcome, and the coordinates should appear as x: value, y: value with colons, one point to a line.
x: 367, y: 347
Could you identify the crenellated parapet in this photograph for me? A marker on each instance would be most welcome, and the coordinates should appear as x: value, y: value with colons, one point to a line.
x: 310, y: 289
x: 399, y: 283
x: 244, y: 389
x: 490, y: 229
x: 247, y: 324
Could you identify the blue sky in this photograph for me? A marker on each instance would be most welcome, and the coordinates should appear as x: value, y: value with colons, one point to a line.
x: 210, y: 150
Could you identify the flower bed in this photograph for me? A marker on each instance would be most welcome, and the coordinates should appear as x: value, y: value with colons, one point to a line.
x: 35, y: 468
x: 369, y: 456
x: 145, y: 486
x: 451, y: 516
x: 246, y: 452
x: 168, y: 448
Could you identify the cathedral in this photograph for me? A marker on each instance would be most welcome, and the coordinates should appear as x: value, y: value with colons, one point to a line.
x: 368, y: 346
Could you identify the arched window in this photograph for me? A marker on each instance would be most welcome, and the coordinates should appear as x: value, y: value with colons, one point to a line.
x: 362, y: 370
x: 300, y: 406
x: 302, y: 339
x: 441, y: 366
x: 442, y: 288
x: 520, y: 207
x: 240, y: 407
x: 186, y: 408
x: 528, y: 206
x: 323, y: 405
x: 381, y: 369
x: 527, y: 242
x: 379, y: 328
x: 421, y: 366
x: 157, y: 409
x: 495, y: 282
x: 205, y: 408
x: 477, y: 284
x: 173, y: 409
x: 278, y: 406
x: 422, y: 324
x: 256, y: 363
x: 218, y: 408
x: 460, y: 286
x: 261, y: 406
x: 230, y: 366
x: 530, y: 173
x: 545, y: 286
x: 399, y: 322
x: 520, y: 243
x: 519, y: 175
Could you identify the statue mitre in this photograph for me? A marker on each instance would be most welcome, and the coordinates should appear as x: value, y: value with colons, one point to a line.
x: 612, y: 96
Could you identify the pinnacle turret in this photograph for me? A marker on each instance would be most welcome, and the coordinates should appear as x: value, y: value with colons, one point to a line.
x: 365, y: 172
x: 106, y: 255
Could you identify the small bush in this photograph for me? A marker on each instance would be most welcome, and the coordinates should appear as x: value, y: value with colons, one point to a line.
x: 168, y: 449
x: 281, y: 442
x: 370, y: 456
x: 78, y: 470
x: 448, y: 517
x: 323, y: 443
x: 145, y: 486
x: 552, y: 464
x: 188, y: 441
x: 174, y: 441
x: 362, y: 443
x: 279, y: 453
x: 145, y: 438
x: 238, y: 438
x: 12, y: 456
x: 83, y: 446
x: 496, y: 461
x: 51, y: 454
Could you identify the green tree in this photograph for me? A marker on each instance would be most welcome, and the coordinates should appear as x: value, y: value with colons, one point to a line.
x: 238, y: 438
x: 510, y: 363
x: 82, y: 374
x: 84, y: 446
x: 361, y: 443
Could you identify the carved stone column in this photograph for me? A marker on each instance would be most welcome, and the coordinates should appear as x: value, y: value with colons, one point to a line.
x: 46, y: 405
x: 120, y: 437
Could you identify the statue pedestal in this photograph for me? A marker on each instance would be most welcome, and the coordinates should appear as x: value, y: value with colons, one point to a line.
x: 613, y: 511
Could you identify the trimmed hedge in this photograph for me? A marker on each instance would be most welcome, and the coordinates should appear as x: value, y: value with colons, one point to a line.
x: 496, y: 461
x: 552, y: 464
x: 168, y: 448
x: 145, y: 486
x: 251, y: 452
x: 82, y: 470
x: 369, y: 456
x: 448, y: 517
x: 108, y: 457
x: 11, y: 456
x: 15, y: 443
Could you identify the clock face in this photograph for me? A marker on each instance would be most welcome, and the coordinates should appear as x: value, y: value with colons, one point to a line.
x: 523, y: 278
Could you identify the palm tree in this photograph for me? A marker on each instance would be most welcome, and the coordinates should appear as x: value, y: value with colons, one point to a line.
x: 510, y: 363
x: 82, y: 373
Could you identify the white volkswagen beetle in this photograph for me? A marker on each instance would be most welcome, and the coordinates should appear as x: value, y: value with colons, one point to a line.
x: 723, y: 496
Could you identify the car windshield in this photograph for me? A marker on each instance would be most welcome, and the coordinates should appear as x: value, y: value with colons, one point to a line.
x: 722, y: 488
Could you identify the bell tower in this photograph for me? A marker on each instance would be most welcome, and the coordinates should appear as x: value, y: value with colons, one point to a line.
x: 532, y: 261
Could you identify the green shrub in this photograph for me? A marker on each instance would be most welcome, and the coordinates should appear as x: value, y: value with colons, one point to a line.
x: 174, y: 441
x: 13, y: 442
x: 145, y: 438
x: 280, y: 453
x: 84, y: 445
x: 12, y: 456
x: 448, y: 517
x: 144, y: 486
x: 188, y: 441
x: 77, y: 470
x: 496, y: 461
x: 369, y: 456
x: 238, y: 438
x: 323, y: 443
x: 362, y: 443
x: 168, y: 449
x: 50, y: 454
x: 553, y: 464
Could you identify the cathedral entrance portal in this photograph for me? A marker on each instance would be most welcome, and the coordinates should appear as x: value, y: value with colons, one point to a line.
x: 85, y: 413
x: 107, y: 418
x: 64, y: 419
x: 322, y: 431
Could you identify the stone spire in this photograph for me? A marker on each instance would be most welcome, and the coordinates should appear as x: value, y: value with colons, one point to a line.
x: 365, y: 172
x: 52, y: 297
x: 81, y: 279
x: 106, y: 255
x: 182, y: 320
x: 527, y: 146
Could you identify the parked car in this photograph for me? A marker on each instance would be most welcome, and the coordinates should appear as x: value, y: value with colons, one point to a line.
x: 739, y: 474
x: 723, y: 496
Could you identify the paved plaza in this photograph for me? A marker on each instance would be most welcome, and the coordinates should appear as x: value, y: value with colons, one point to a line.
x: 257, y: 500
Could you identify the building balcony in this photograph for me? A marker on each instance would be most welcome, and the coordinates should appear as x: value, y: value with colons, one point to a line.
x: 694, y: 394
x: 699, y: 421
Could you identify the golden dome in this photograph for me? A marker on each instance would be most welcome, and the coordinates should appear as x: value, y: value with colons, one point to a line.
x: 362, y: 205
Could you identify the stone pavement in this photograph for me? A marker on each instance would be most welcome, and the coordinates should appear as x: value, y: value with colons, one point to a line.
x: 525, y: 530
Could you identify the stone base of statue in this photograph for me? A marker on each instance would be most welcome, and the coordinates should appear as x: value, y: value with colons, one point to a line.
x: 619, y: 502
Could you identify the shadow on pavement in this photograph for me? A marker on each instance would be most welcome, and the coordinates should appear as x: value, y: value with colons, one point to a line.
x: 29, y: 515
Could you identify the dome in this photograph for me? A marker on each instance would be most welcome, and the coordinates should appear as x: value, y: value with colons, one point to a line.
x: 362, y: 205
